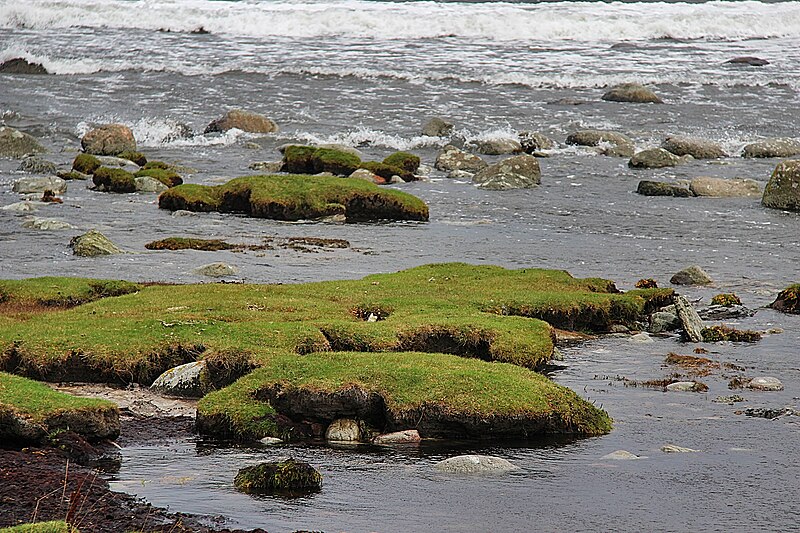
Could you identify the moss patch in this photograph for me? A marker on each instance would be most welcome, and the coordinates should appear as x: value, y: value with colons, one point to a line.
x: 86, y: 163
x: 387, y: 171
x: 726, y: 300
x: 287, y: 478
x: 136, y: 157
x: 114, y: 180
x: 788, y: 300
x: 41, y: 527
x: 406, y: 161
x: 170, y: 178
x: 311, y: 160
x: 725, y: 333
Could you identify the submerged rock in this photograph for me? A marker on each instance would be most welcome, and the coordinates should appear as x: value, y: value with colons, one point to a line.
x: 343, y: 430
x: 147, y: 184
x: 660, y: 188
x: 730, y: 400
x: 19, y: 207
x: 693, y: 275
x: 687, y: 386
x: 285, y: 477
x: 496, y: 146
x: 621, y: 455
x: 533, y: 141
x: 16, y: 144
x: 216, y: 270
x: 46, y: 224
x: 693, y: 146
x: 109, y: 139
x: 632, y: 93
x: 772, y: 148
x: 642, y: 338
x: 783, y: 189
x: 769, y: 413
x: 184, y: 381
x: 662, y: 321
x: 765, y: 383
x: 692, y: 324
x: 749, y: 61
x: 451, y: 158
x: 518, y: 172
x: 20, y: 65
x: 724, y: 312
x: 37, y: 165
x: 654, y: 158
x: 622, y: 145
x: 92, y: 244
x: 39, y: 184
x: 242, y: 120
x: 408, y: 436
x: 269, y: 167
x: 724, y: 188
x: 475, y: 464
x: 672, y: 448
x: 437, y: 127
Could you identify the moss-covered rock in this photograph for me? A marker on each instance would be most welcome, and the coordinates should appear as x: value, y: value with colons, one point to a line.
x: 406, y: 161
x: 114, y: 180
x: 170, y: 178
x: 92, y: 244
x: 726, y: 300
x: 135, y: 157
x: 184, y: 243
x: 86, y: 163
x: 647, y: 283
x: 288, y: 477
x: 788, y: 300
x: 157, y: 165
x: 783, y: 189
x: 725, y: 333
x: 387, y: 171
x: 312, y: 160
x: 660, y: 188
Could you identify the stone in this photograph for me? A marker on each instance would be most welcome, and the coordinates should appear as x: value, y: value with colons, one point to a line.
x: 216, y: 270
x: 146, y: 184
x: 437, y: 127
x: 16, y: 144
x: 787, y: 301
x: 621, y: 145
x: 661, y: 321
x: 19, y: 207
x: 672, y: 448
x: 496, y: 146
x: 46, y: 224
x: 475, y: 464
x: 642, y: 338
x: 783, y: 148
x: 632, y: 93
x: 242, y: 120
x: 366, y: 175
x: 533, y: 141
x: 270, y: 441
x: 118, y: 162
x: 730, y: 400
x: 285, y: 477
x: 460, y: 175
x: 725, y: 312
x: 660, y: 188
x: 39, y: 185
x: 621, y: 455
x: 693, y: 146
x: 19, y: 65
x: 93, y: 244
x: 37, y: 165
x: 783, y: 189
x: 452, y: 158
x: 183, y: 381
x: 268, y: 167
x: 517, y: 172
x: 749, y: 61
x: 686, y: 386
x: 343, y: 430
x: 769, y: 413
x: 724, y: 188
x: 654, y: 158
x: 408, y: 436
x: 342, y: 148
x: 765, y: 383
x: 690, y: 320
x: 109, y: 139
x: 693, y: 275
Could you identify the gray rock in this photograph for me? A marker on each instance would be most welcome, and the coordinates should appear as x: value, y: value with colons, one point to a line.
x: 460, y: 175
x: 496, y: 146
x: 654, y: 158
x: 661, y: 321
x: 724, y: 312
x: 37, y: 165
x: 183, y: 213
x: 268, y: 167
x: 765, y: 383
x: 343, y: 430
x: 724, y: 188
x: 730, y: 400
x: 693, y: 275
x: 772, y: 148
x: 533, y: 141
x: 672, y: 448
x: 216, y: 270
x: 20, y: 207
x: 109, y: 139
x: 475, y: 464
x: 242, y: 120
x: 692, y: 324
x: 147, y: 184
x: 621, y: 145
x: 693, y: 146
x: 15, y: 144
x: 436, y: 127
x: 770, y: 414
x: 124, y: 164
x: 270, y: 441
x: 660, y: 188
x: 343, y: 148
x: 46, y: 224
x: 451, y: 158
x: 20, y: 65
x: 685, y: 386
x: 517, y: 172
x: 184, y: 381
x: 783, y: 189
x: 642, y: 338
x: 749, y: 61
x: 92, y: 244
x: 621, y: 455
x: 35, y: 184
x: 408, y: 436
x: 632, y: 93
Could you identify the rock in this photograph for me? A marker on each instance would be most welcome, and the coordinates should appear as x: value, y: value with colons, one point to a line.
x: 216, y: 270
x: 366, y: 175
x: 787, y: 301
x: 654, y: 158
x: 109, y: 139
x: 475, y: 464
x: 342, y: 148
x: 697, y: 148
x: 270, y: 167
x: 19, y: 207
x: 622, y: 146
x: 533, y: 141
x: 436, y: 127
x: 496, y: 146
x: 184, y: 381
x: 270, y: 441
x: 408, y: 436
x: 460, y: 175
x: 183, y: 213
x: 37, y: 165
x: 118, y: 162
x: 39, y: 185
x: 621, y: 455
x: 46, y: 224
x: 642, y: 338
x: 242, y: 120
x: 693, y: 275
x: 765, y: 383
x: 632, y: 93
x: 285, y: 477
x: 19, y: 65
x: 451, y: 158
x: 672, y: 448
x: 72, y: 175
x: 687, y: 386
x: 692, y: 324
x: 343, y: 430
x: 724, y: 312
x: 618, y: 328
x: 724, y: 188
x: 518, y: 172
x: 770, y: 414
x: 748, y: 61
x: 730, y: 400
x: 661, y: 321
x: 252, y: 146
x: 92, y: 244
x: 147, y: 184
x: 15, y: 144
x: 772, y: 148
x: 783, y: 189
x: 660, y: 188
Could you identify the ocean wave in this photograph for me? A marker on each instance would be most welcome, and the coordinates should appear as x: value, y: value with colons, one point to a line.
x: 550, y: 21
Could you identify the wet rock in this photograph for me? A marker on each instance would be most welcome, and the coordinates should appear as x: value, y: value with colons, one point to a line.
x: 37, y: 165
x: 693, y: 275
x: 765, y: 383
x: 93, y: 244
x: 660, y: 188
x: 343, y: 430
x: 114, y: 162
x: 518, y: 172
x: 724, y: 188
x: 618, y: 328
x: 451, y: 158
x: 269, y: 167
x: 687, y: 386
x: 621, y: 145
x: 270, y: 441
x: 749, y: 61
x: 770, y: 414
x: 16, y: 144
x: 621, y: 455
x: 475, y: 464
x: 661, y: 321
x: 693, y: 146
x: 290, y: 476
x: 730, y: 400
x: 146, y: 184
x: 242, y: 120
x: 19, y: 207
x: 654, y: 158
x: 783, y: 189
x: 672, y: 448
x: 342, y: 148
x: 642, y: 338
x: 109, y: 139
x: 408, y: 436
x: 216, y: 270
x: 437, y: 127
x: 366, y: 175
x: 692, y: 324
x: 496, y: 146
x: 73, y: 175
x: 787, y: 301
x: 184, y: 381
x: 724, y: 312
x: 460, y: 175
x: 19, y: 65
x: 772, y: 148
x: 39, y: 185
x: 46, y: 224
x: 533, y: 141
x: 632, y: 93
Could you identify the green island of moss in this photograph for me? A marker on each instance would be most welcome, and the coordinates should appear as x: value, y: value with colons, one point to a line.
x: 114, y: 180
x: 299, y: 159
x: 290, y: 478
x: 296, y: 197
x: 86, y: 163
x: 788, y: 300
x: 406, y: 161
x: 57, y: 526
x: 168, y: 177
x: 189, y: 243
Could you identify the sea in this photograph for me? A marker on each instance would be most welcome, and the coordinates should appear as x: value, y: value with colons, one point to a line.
x: 369, y: 74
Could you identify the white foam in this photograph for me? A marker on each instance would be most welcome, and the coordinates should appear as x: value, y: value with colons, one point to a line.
x: 363, y: 136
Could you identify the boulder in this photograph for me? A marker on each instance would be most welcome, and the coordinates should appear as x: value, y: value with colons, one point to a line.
x: 268, y: 167
x: 39, y: 184
x: 343, y: 430
x: 621, y: 145
x: 687, y: 386
x: 342, y: 148
x: 284, y: 477
x: 660, y: 188
x: 15, y: 144
x: 654, y: 158
x: 146, y: 184
x: 693, y: 275
x: 724, y: 188
x: 451, y: 158
x: 216, y: 270
x: 408, y: 436
x: 518, y: 172
x: 787, y: 301
x: 692, y: 324
x: 772, y: 148
x: 621, y: 455
x: 749, y: 61
x: 184, y: 381
x: 724, y: 312
x: 632, y: 93
x: 672, y: 448
x: 533, y: 141
x: 37, y: 165
x: 693, y: 146
x: 367, y: 175
x: 436, y: 127
x: 19, y: 207
x: 475, y: 464
x: 242, y: 120
x: 496, y: 146
x: 46, y: 224
x: 765, y: 383
x: 109, y: 139
x: 19, y: 65
x: 783, y: 188
x: 662, y: 321
x: 642, y: 338
x: 92, y: 244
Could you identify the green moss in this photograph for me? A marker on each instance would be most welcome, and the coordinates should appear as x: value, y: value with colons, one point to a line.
x: 169, y: 178
x: 183, y: 243
x: 310, y: 160
x: 136, y: 157
x: 406, y: 161
x: 726, y: 300
x: 788, y: 300
x: 114, y: 180
x: 647, y: 283
x: 38, y: 402
x: 41, y: 527
x: 725, y: 333
x: 86, y: 163
x: 20, y: 295
x: 387, y: 171
x: 72, y: 175
x: 158, y: 165
x: 288, y: 477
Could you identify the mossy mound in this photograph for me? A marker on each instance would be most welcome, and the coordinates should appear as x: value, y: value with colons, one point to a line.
x: 170, y: 178
x: 158, y: 165
x: 311, y: 160
x: 726, y: 300
x: 30, y: 295
x: 86, y: 163
x: 648, y: 283
x: 135, y: 157
x: 788, y: 300
x: 114, y: 180
x: 725, y: 333
x: 41, y: 527
x: 406, y: 161
x: 387, y: 171
x: 287, y: 478
x: 185, y: 243
x: 296, y: 197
